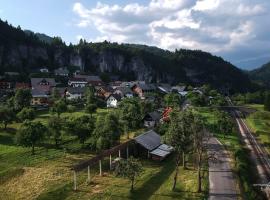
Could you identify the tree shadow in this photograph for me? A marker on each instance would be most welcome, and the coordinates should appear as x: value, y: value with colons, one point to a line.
x: 153, y: 184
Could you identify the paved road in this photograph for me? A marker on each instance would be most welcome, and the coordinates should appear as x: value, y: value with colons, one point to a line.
x: 221, y: 178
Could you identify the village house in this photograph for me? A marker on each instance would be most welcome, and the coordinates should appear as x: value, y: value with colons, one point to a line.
x: 142, y: 89
x: 77, y: 82
x: 62, y: 71
x: 165, y: 117
x: 149, y: 144
x: 151, y: 119
x: 5, y: 85
x: 113, y: 100
x: 180, y: 90
x: 91, y: 80
x: 74, y: 93
x: 44, y: 70
x: 44, y: 84
x: 164, y: 88
x: 22, y: 86
x: 123, y: 92
x: 103, y: 92
x: 39, y: 97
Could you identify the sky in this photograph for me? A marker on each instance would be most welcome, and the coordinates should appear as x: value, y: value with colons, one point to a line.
x: 237, y: 30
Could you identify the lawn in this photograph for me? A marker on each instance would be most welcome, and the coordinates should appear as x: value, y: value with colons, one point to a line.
x: 47, y: 174
x: 259, y: 122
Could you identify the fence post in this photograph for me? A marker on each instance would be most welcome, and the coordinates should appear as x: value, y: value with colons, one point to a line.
x: 127, y: 152
x: 75, y: 180
x: 100, y: 168
x: 110, y: 162
x: 119, y: 153
x: 88, y: 173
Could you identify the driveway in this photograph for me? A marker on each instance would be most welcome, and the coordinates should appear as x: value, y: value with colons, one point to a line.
x: 221, y: 178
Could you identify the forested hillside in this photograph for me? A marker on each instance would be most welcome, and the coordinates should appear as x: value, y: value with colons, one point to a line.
x: 261, y: 75
x: 25, y: 52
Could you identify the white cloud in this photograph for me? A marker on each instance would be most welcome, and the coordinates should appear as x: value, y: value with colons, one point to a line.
x: 219, y: 26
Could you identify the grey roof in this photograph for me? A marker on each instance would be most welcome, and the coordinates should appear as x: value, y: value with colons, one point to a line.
x: 154, y: 115
x: 35, y: 81
x: 61, y: 70
x: 124, y: 90
x: 164, y: 87
x: 160, y: 152
x: 147, y: 87
x: 165, y: 147
x: 88, y: 78
x: 149, y: 140
x: 71, y: 90
x: 179, y: 88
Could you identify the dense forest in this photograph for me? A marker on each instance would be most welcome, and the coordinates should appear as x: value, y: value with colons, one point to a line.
x: 25, y: 51
x: 261, y: 75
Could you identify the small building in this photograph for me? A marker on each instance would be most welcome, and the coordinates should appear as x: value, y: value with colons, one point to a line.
x: 22, y: 85
x: 113, y: 100
x: 74, y: 93
x: 77, y: 82
x: 164, y: 88
x: 44, y: 70
x: 43, y: 84
x: 142, y: 89
x: 150, y: 144
x: 91, y: 80
x: 151, y: 119
x: 5, y: 85
x: 104, y: 92
x: 39, y: 97
x: 62, y: 71
x: 123, y: 92
x: 166, y: 114
x: 180, y: 90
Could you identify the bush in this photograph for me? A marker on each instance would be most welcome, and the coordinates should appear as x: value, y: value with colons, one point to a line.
x: 71, y: 108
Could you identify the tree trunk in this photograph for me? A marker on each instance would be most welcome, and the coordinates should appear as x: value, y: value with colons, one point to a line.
x: 199, y: 174
x: 184, y: 161
x: 132, y: 185
x: 56, y: 142
x: 176, y: 172
x: 33, y: 149
x: 5, y: 126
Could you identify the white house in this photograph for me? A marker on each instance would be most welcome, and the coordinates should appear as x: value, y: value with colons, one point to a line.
x: 77, y: 82
x: 74, y: 93
x: 113, y: 100
x: 44, y: 70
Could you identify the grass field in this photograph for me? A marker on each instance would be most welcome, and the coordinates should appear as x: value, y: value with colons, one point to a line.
x: 259, y: 122
x: 47, y: 174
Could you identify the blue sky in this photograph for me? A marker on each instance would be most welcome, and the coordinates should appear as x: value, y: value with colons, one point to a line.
x: 237, y: 30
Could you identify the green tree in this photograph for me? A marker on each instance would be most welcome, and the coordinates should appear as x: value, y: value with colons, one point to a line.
x: 22, y: 99
x: 107, y: 131
x: 59, y: 107
x: 130, y: 169
x: 180, y: 136
x: 56, y: 96
x: 31, y: 134
x: 224, y: 123
x: 82, y: 127
x: 7, y: 115
x: 55, y: 125
x: 130, y: 114
x: 267, y: 101
x: 91, y: 103
x: 172, y: 100
x: 26, y: 113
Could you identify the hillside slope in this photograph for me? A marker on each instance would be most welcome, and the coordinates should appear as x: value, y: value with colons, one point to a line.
x: 25, y: 52
x: 261, y: 75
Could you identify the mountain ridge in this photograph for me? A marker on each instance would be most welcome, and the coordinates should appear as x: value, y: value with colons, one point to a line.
x: 25, y: 52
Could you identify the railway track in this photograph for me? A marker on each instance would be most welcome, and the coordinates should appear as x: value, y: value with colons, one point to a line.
x: 258, y: 153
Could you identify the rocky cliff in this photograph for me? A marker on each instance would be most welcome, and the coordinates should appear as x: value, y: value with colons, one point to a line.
x: 25, y: 52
